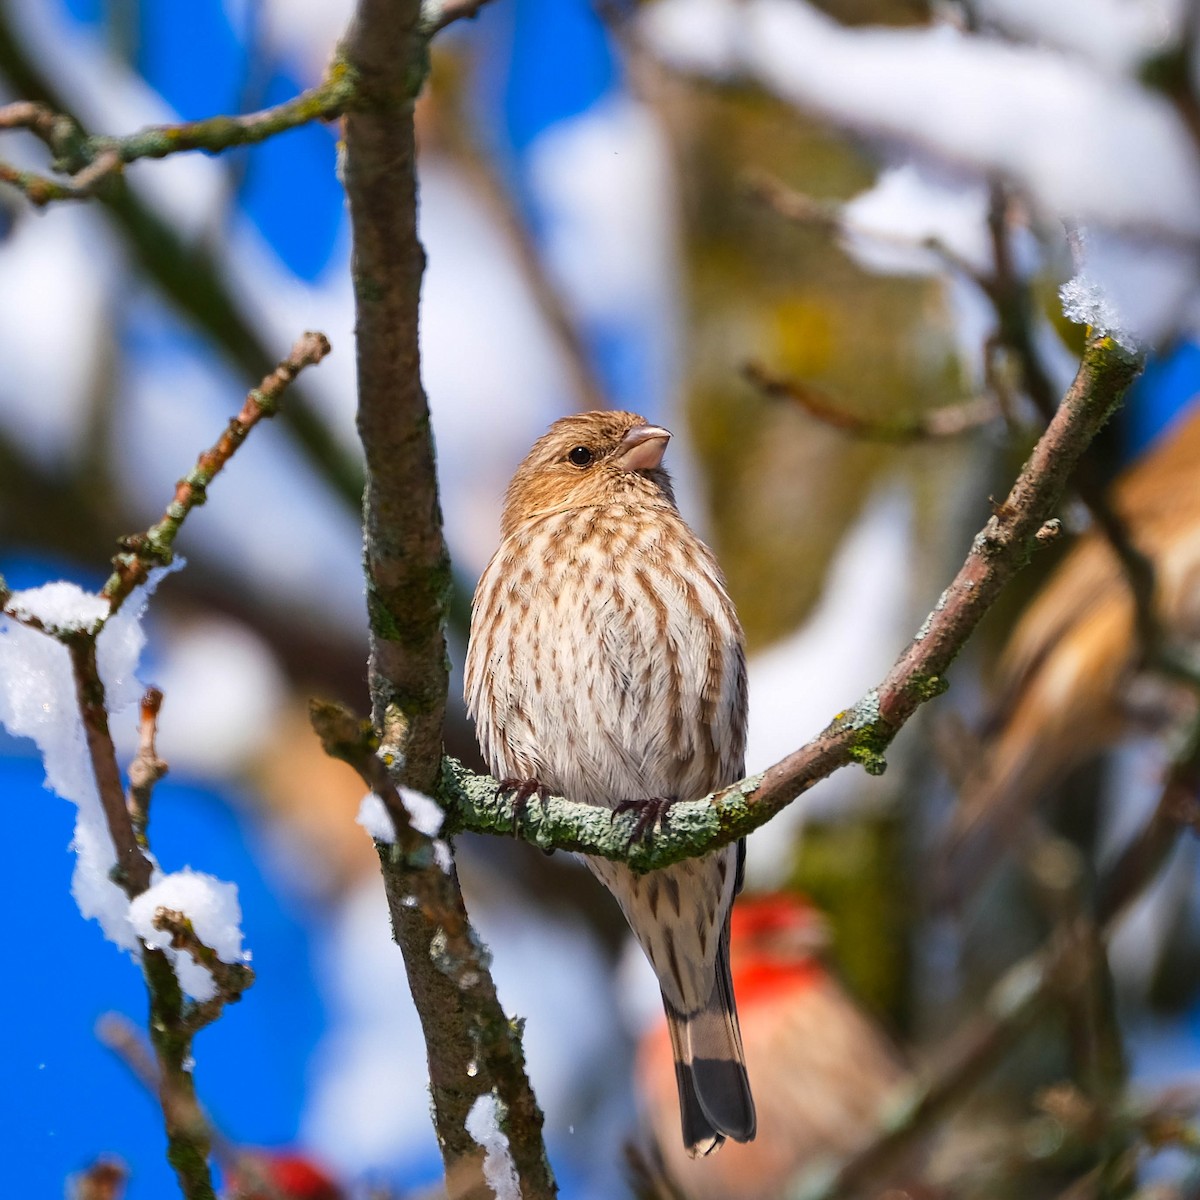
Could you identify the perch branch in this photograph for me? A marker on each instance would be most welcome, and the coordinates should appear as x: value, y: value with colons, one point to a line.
x: 862, y: 733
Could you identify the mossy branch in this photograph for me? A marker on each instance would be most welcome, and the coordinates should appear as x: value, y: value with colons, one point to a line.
x: 863, y: 733
x: 473, y: 1048
x: 85, y: 160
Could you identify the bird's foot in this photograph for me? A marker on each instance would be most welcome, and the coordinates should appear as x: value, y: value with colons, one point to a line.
x: 522, y: 790
x: 651, y: 816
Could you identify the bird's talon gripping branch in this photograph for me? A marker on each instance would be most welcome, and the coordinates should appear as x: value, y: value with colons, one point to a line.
x: 522, y: 791
x: 652, y: 816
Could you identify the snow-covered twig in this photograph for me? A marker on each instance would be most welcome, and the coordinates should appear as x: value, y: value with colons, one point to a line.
x: 230, y: 979
x: 77, y: 620
x: 1012, y: 298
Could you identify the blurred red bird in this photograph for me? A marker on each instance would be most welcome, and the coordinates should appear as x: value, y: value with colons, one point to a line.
x: 1063, y: 678
x: 821, y: 1070
x: 606, y: 665
x: 279, y: 1175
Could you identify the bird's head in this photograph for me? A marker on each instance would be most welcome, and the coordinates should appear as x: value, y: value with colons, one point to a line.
x: 279, y: 1175
x: 588, y: 459
x: 776, y: 941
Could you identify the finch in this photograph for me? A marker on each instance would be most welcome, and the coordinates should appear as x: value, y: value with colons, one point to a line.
x: 280, y: 1175
x: 1063, y: 680
x: 606, y: 665
x: 822, y: 1069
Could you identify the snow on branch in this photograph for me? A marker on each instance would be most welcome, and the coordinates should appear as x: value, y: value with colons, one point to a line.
x: 1083, y: 142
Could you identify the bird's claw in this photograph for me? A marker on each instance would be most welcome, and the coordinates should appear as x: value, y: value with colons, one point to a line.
x: 521, y: 791
x: 651, y: 816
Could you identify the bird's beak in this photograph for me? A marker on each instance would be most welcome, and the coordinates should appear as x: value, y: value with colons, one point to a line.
x: 642, y: 448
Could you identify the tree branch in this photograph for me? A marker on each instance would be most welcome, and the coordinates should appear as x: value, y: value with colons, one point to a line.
x: 951, y: 420
x: 146, y: 769
x: 862, y: 733
x: 170, y: 1030
x: 1013, y: 300
x: 173, y: 1022
x: 142, y: 551
x: 90, y: 159
x: 472, y: 1047
x: 133, y: 869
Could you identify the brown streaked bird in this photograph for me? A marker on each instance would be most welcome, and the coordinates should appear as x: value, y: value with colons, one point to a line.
x: 823, y: 1070
x: 606, y: 665
x: 1063, y: 678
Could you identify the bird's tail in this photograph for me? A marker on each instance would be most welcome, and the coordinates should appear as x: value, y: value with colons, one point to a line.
x: 710, y: 1069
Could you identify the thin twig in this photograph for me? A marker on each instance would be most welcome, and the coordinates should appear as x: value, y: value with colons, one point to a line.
x: 147, y: 768
x: 949, y: 421
x: 170, y: 1029
x: 231, y: 979
x: 41, y: 190
x: 121, y: 1036
x: 133, y: 869
x: 353, y: 742
x: 89, y: 159
x: 189, y: 274
x: 1013, y: 300
x: 39, y: 119
x: 830, y: 216
x: 142, y: 551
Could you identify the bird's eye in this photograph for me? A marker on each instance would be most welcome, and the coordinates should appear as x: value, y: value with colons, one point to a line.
x: 580, y: 456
